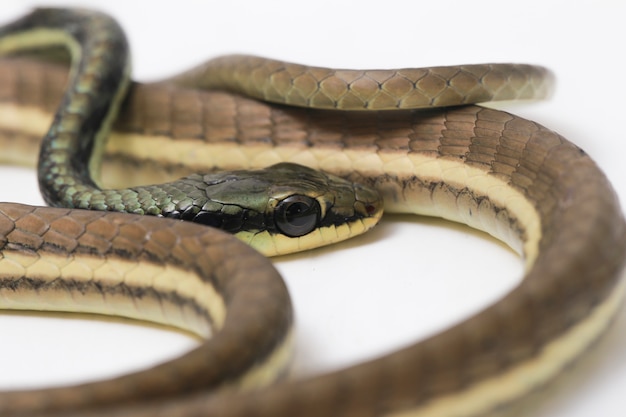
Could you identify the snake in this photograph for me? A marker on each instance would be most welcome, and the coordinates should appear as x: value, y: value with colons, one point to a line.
x: 414, y: 135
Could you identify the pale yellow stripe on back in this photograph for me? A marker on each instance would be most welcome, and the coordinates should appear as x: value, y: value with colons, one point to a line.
x: 111, y: 273
x: 29, y: 120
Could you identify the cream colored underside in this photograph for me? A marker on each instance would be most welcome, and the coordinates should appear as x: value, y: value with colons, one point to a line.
x: 274, y: 245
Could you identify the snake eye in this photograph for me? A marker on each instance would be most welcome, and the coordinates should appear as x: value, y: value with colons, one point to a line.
x: 297, y: 215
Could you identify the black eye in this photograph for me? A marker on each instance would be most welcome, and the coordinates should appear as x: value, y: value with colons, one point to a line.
x: 297, y: 215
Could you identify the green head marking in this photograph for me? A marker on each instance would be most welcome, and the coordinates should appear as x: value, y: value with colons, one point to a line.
x: 279, y: 209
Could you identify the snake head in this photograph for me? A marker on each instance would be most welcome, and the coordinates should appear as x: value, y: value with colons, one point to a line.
x: 311, y: 208
x: 284, y: 208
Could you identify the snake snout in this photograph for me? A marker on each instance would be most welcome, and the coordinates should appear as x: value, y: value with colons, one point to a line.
x: 368, y: 203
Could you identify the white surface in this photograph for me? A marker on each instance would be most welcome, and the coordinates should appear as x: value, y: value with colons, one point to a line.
x: 411, y: 276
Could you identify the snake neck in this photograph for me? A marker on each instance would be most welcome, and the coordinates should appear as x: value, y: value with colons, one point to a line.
x: 70, y: 153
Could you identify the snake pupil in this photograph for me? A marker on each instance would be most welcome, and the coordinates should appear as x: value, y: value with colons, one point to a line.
x: 297, y: 215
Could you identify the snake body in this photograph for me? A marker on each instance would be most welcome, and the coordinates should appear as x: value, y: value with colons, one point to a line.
x: 494, y: 171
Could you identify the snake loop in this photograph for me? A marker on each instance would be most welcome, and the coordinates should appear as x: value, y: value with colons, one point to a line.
x: 489, y: 169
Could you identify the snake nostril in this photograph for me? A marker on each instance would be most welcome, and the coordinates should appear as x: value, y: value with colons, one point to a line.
x: 370, y: 209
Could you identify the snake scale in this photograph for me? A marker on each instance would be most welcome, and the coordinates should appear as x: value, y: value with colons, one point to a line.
x: 492, y: 170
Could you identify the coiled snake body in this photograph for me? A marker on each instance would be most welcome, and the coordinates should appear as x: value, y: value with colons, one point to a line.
x: 491, y: 170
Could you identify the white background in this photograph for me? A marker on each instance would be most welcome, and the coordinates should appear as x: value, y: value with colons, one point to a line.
x: 411, y: 276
